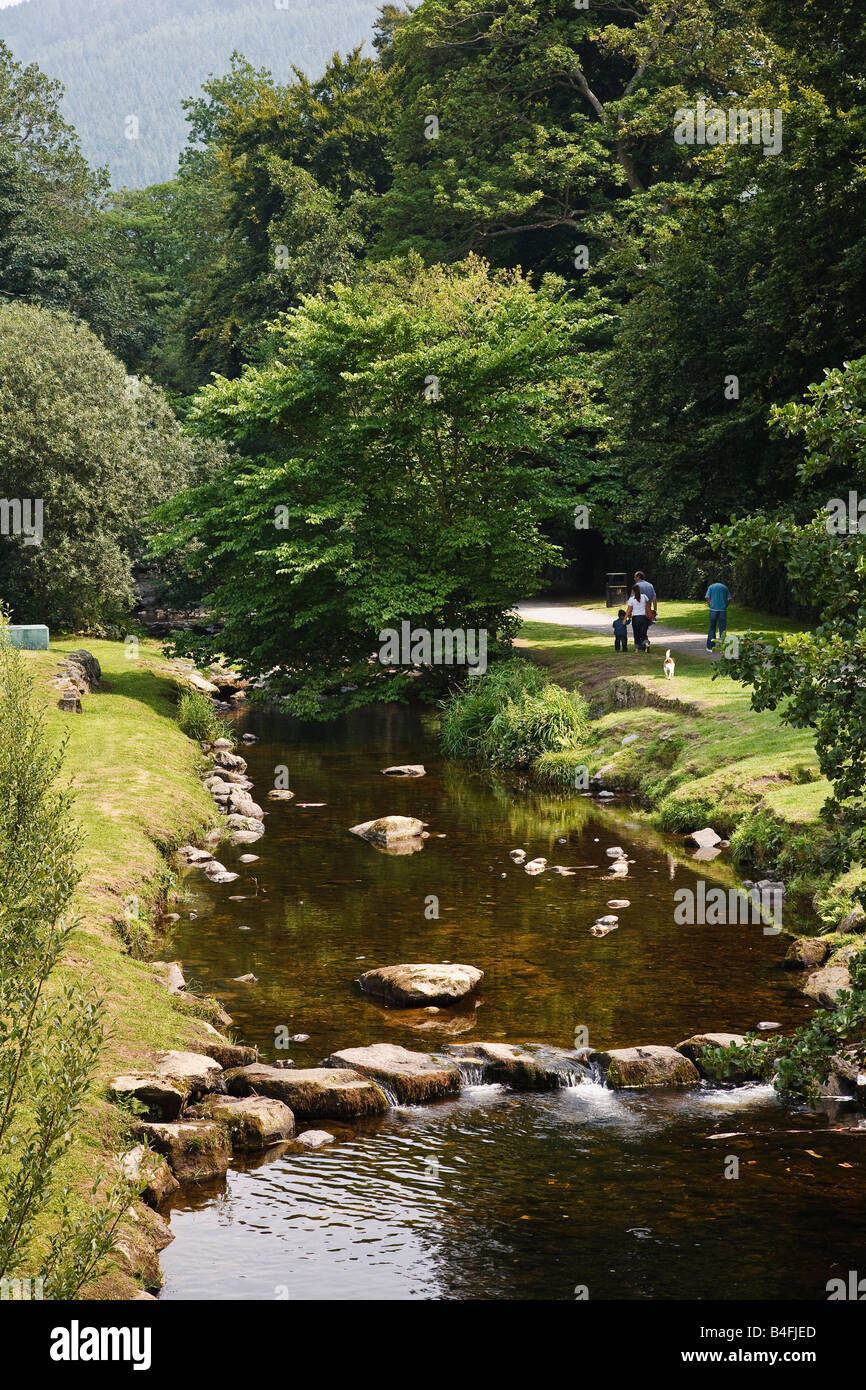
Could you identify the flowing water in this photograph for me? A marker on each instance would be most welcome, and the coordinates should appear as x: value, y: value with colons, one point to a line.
x: 496, y: 1195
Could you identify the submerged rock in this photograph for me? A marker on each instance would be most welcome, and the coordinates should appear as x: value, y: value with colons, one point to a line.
x: 535, y: 866
x: 405, y: 770
x: 518, y: 855
x: 405, y: 986
x: 314, y: 1138
x: 389, y: 830
x: 624, y: 1068
x: 314, y: 1093
x: 280, y: 794
x: 412, y: 1077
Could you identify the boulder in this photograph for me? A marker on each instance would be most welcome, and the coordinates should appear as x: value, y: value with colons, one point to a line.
x: 230, y: 762
x: 240, y: 803
x: 806, y: 953
x: 235, y: 822
x: 199, y: 683
x: 824, y: 985
x: 162, y: 1099
x: 703, y: 839
x: 218, y: 873
x: 194, y: 1071
x: 405, y: 986
x: 224, y: 745
x: 405, y: 770
x: 412, y: 1077
x: 253, y: 1122
x: 314, y: 1138
x: 519, y: 1068
x: 245, y: 837
x: 388, y: 830
x: 190, y: 855
x: 693, y: 1047
x: 196, y: 1149
x: 625, y: 1068
x: 151, y: 1171
x: 313, y: 1093
x: 854, y: 922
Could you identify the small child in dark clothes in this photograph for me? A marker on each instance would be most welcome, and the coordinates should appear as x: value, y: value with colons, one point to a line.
x: 620, y: 632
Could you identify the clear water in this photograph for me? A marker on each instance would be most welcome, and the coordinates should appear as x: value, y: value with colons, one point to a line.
x: 494, y: 1195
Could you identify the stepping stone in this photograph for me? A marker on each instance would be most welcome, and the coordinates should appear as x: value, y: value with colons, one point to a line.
x: 628, y: 1068
x: 519, y: 1068
x: 388, y: 830
x: 197, y: 1150
x: 254, y: 1122
x: 703, y: 839
x: 405, y: 986
x: 334, y: 1093
x: 413, y: 1078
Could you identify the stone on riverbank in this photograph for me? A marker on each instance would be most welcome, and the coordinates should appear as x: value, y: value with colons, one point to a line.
x: 703, y: 839
x: 693, y: 1047
x: 140, y: 1165
x: 253, y: 1122
x: 162, y: 1099
x: 170, y: 975
x: 824, y: 985
x: 313, y: 1093
x: 806, y: 953
x: 406, y: 986
x: 389, y: 830
x: 196, y: 1149
x: 413, y: 1077
x: 626, y: 1068
x: 230, y: 762
x: 190, y: 855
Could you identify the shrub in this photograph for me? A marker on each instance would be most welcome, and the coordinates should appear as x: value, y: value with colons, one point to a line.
x: 198, y: 719
x: 758, y: 840
x: 511, y: 716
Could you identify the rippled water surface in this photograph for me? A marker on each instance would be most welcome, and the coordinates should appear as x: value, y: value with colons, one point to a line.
x: 495, y: 1195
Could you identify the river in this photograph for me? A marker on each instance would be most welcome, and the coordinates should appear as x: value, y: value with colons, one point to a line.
x: 581, y: 1193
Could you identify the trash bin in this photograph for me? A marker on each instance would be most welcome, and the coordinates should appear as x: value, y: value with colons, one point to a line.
x: 617, y: 590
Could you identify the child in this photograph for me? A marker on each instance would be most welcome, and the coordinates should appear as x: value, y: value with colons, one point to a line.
x: 620, y: 632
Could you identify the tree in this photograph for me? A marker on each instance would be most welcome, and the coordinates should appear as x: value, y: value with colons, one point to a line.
x: 86, y: 452
x: 401, y: 451
x: 816, y: 678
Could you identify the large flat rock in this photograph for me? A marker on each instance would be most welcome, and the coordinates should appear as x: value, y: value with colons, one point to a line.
x: 625, y: 1068
x: 335, y: 1093
x: 253, y: 1122
x: 407, y: 986
x: 413, y: 1078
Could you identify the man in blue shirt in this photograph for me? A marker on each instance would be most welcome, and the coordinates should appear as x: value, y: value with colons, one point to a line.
x: 718, y: 597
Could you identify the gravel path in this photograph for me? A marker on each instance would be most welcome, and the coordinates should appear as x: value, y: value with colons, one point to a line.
x: 573, y: 615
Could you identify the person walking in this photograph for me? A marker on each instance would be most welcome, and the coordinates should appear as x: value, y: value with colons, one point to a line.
x: 620, y: 632
x: 648, y: 591
x: 718, y: 596
x: 638, y: 605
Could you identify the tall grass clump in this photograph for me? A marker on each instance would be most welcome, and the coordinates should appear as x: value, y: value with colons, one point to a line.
x: 51, y: 1030
x: 199, y: 720
x: 512, y: 716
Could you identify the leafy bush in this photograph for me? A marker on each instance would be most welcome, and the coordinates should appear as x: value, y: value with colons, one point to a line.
x: 199, y: 720
x: 511, y: 716
x: 758, y: 840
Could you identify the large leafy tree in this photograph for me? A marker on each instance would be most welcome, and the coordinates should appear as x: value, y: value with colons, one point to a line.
x: 97, y: 450
x: 400, y: 453
x: 816, y: 678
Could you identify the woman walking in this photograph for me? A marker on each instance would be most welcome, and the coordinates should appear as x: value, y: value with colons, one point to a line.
x: 639, y: 606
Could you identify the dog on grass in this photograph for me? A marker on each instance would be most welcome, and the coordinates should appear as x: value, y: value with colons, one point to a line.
x: 669, y: 664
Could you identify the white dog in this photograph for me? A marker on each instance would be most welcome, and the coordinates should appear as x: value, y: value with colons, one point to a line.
x: 669, y: 664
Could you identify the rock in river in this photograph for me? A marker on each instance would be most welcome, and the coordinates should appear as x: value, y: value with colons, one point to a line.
x: 704, y: 839
x: 806, y: 953
x: 405, y: 770
x: 314, y: 1093
x: 406, y: 986
x: 694, y: 1046
x: 254, y: 1122
x: 412, y: 1077
x: 196, y: 1149
x: 541, y: 1069
x: 824, y: 985
x: 388, y: 830
x: 624, y: 1068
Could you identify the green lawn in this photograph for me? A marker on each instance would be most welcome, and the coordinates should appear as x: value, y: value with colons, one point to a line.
x: 692, y: 616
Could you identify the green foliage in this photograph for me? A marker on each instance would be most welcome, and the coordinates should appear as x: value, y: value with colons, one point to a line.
x: 51, y: 1032
x: 680, y: 814
x: 402, y: 451
x: 97, y: 451
x: 758, y: 840
x: 198, y: 719
x: 511, y: 716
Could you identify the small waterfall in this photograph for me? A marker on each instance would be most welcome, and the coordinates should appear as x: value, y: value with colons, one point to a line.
x: 472, y: 1073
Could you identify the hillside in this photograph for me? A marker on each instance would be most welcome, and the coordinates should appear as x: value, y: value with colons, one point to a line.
x: 119, y: 59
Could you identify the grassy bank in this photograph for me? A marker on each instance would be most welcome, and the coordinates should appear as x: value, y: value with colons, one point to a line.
x: 702, y: 756
x: 137, y: 797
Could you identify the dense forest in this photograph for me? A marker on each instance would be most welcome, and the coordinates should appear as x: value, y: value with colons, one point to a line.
x: 119, y: 60
x: 470, y: 276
